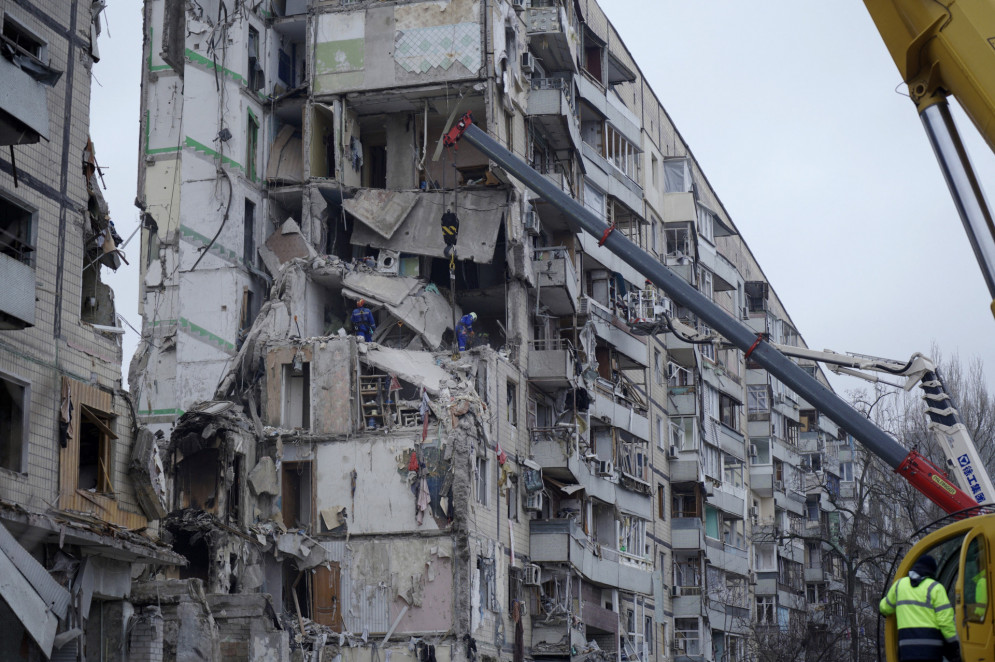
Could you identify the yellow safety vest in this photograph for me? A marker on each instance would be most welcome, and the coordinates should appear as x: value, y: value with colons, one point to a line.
x: 924, y: 615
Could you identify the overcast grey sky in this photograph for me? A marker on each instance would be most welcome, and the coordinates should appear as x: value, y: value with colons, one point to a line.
x: 793, y: 111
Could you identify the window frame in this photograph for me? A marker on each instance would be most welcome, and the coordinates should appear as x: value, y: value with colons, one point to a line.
x: 24, y: 441
x: 27, y: 254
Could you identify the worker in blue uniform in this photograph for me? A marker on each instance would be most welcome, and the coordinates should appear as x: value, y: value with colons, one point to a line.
x: 464, y: 329
x: 363, y: 324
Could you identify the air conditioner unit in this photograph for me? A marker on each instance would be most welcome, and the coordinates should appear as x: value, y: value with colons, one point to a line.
x: 673, y: 451
x: 518, y: 4
x: 533, y: 573
x: 534, y: 502
x: 528, y: 62
x: 675, y: 591
x: 753, y: 577
x: 754, y: 512
x: 753, y: 451
x: 605, y: 468
x: 779, y: 485
x: 531, y: 222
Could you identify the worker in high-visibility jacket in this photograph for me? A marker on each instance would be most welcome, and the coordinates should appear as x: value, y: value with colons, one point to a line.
x: 925, y: 617
x: 980, y: 605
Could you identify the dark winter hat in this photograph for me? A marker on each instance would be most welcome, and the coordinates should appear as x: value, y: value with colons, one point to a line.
x: 925, y: 566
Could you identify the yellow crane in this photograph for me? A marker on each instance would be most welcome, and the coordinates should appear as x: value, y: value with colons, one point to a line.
x: 947, y: 48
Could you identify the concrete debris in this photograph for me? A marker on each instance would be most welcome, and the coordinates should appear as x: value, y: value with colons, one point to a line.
x: 418, y: 368
x: 263, y: 478
x: 146, y: 469
x: 285, y: 245
x: 480, y: 212
x: 286, y: 159
x: 381, y: 210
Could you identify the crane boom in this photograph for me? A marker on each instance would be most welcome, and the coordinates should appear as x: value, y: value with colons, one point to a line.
x: 948, y: 48
x: 944, y: 420
x: 915, y: 468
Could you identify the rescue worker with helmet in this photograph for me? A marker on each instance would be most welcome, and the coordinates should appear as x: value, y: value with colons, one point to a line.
x: 464, y: 329
x: 363, y: 323
x: 924, y: 615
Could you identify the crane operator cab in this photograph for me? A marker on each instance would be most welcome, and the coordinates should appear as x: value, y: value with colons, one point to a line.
x: 964, y: 557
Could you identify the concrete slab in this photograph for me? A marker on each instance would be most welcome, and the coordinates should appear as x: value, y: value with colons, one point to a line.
x: 388, y: 290
x: 480, y: 211
x: 380, y: 210
x: 419, y: 368
x: 289, y: 243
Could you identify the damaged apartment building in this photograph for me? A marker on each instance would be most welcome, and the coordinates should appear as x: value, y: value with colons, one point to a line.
x: 576, y: 484
x: 78, y: 486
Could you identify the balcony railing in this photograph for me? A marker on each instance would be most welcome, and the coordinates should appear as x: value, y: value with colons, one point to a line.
x: 564, y: 85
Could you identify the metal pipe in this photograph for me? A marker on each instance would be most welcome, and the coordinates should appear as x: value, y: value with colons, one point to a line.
x: 685, y: 295
x: 964, y: 187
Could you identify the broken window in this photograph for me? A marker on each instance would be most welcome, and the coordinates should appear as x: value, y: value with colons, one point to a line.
x: 197, y: 480
x: 513, y: 498
x: 22, y: 39
x: 297, y: 495
x: 251, y: 146
x: 679, y: 240
x: 756, y: 295
x: 684, y: 503
x: 728, y: 411
x: 512, y: 400
x: 255, y: 76
x: 620, y: 152
x: 758, y: 402
x: 480, y: 469
x: 16, y: 230
x: 287, y: 65
x: 706, y: 224
x: 594, y: 55
x: 249, y: 234
x: 296, y: 394
x: 676, y: 175
x: 14, y: 399
x: 808, y: 420
x: 96, y: 438
x: 486, y: 577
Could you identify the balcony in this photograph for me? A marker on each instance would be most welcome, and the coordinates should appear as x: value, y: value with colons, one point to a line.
x: 562, y: 540
x: 686, y: 469
x: 17, y: 296
x: 603, y: 256
x: 552, y: 107
x: 688, y: 601
x: 551, y: 362
x: 556, y: 280
x: 687, y: 533
x: 555, y: 450
x: 762, y: 480
x: 611, y: 180
x: 556, y: 36
x: 611, y: 328
x: 727, y: 557
x: 682, y: 401
x: 613, y: 407
x: 816, y: 574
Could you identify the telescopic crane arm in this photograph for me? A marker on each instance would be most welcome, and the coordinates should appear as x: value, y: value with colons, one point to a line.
x: 948, y: 48
x: 944, y: 420
x: 914, y: 467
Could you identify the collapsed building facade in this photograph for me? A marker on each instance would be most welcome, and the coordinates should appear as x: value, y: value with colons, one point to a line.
x: 78, y: 487
x: 567, y: 488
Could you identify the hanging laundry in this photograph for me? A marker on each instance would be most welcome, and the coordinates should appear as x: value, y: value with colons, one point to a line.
x: 424, y: 498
